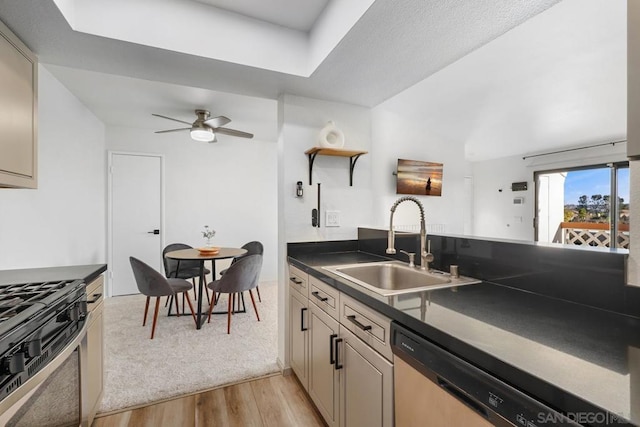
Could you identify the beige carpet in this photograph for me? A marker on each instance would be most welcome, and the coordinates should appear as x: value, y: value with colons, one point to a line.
x: 181, y: 359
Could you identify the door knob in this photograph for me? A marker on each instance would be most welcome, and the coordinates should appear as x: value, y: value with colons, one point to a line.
x: 154, y: 232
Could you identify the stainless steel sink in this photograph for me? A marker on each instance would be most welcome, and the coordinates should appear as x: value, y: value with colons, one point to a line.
x: 395, y: 277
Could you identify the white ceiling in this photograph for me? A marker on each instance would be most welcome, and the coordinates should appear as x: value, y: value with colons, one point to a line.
x: 390, y: 48
x: 557, y: 80
x: 502, y: 77
x: 129, y: 102
x: 295, y: 14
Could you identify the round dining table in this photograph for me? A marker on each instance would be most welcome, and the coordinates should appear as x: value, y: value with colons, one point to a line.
x: 196, y: 255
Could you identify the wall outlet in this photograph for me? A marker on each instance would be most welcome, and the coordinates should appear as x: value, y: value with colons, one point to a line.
x: 332, y: 219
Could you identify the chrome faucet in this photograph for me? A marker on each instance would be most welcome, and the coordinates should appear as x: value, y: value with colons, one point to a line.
x: 425, y: 256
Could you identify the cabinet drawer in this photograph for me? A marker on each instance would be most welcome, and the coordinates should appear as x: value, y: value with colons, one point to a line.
x: 324, y: 296
x: 367, y: 324
x: 299, y: 280
x: 95, y: 293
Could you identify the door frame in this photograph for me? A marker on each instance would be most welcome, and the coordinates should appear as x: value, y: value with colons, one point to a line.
x: 110, y: 154
x: 612, y: 166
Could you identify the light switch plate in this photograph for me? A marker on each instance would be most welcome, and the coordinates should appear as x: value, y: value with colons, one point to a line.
x: 332, y: 219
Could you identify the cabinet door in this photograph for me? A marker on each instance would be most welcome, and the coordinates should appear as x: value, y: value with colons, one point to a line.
x: 366, y: 384
x: 421, y: 402
x: 18, y: 96
x: 94, y: 370
x: 299, y: 335
x: 323, y: 378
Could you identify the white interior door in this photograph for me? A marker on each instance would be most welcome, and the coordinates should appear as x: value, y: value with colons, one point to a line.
x: 136, y: 217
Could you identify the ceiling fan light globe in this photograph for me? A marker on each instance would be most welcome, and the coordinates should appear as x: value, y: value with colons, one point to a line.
x: 205, y: 135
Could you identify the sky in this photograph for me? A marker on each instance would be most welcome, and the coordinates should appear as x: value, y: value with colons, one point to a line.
x: 594, y: 181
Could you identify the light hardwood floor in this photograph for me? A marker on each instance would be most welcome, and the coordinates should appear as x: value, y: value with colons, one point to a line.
x: 277, y: 401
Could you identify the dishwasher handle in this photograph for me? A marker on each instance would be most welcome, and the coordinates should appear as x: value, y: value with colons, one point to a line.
x: 464, y: 398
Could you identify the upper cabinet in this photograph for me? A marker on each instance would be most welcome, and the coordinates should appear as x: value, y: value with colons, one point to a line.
x: 18, y: 112
x: 633, y: 79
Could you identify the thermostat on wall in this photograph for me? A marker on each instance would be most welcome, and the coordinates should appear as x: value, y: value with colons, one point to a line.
x: 519, y: 186
x: 518, y: 200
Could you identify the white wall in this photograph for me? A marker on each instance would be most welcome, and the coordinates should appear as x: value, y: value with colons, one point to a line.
x: 396, y: 135
x: 229, y: 185
x: 62, y: 222
x: 495, y: 214
x: 299, y: 122
x: 303, y: 119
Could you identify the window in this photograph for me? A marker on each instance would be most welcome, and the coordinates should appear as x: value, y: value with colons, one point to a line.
x: 576, y: 205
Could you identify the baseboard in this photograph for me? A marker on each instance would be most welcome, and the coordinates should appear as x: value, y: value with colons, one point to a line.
x: 286, y: 371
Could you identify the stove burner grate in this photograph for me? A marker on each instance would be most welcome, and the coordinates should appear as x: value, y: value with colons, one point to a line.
x: 17, y: 298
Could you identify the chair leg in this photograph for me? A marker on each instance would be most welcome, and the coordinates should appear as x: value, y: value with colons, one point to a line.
x: 254, y: 304
x: 241, y: 298
x: 206, y: 290
x: 211, y: 309
x: 195, y: 291
x: 233, y: 302
x: 229, y: 315
x: 146, y: 310
x: 193, y: 313
x: 166, y: 302
x: 155, y: 317
x: 175, y: 298
x: 258, y: 291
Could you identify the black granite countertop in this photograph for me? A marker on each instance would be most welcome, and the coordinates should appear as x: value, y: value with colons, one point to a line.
x: 575, y: 358
x: 50, y: 274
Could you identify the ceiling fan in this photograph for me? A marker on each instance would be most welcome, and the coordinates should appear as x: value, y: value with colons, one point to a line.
x: 205, y: 127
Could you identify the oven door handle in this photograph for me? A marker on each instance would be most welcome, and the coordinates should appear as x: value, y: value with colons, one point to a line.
x: 33, y: 382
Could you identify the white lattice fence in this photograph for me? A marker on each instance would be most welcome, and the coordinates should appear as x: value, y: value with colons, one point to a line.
x: 579, y: 236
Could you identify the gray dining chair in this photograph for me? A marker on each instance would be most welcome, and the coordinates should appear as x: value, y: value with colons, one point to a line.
x: 152, y: 283
x: 188, y: 269
x: 252, y: 248
x: 242, y: 275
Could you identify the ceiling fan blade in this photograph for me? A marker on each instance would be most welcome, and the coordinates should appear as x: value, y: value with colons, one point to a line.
x: 172, y: 130
x: 170, y: 118
x: 233, y: 132
x: 216, y: 122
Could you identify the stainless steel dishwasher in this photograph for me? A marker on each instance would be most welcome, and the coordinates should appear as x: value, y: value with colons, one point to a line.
x: 435, y: 388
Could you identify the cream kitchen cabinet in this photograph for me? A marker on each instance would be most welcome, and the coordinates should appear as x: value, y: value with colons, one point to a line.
x: 347, y: 367
x: 298, y: 325
x: 324, y: 373
x: 93, y: 361
x: 366, y: 384
x: 18, y: 112
x: 299, y: 337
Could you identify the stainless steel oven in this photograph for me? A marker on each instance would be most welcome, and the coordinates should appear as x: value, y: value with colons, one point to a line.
x: 42, y: 339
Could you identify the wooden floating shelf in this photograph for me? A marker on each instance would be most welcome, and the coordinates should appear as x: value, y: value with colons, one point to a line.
x: 353, y: 156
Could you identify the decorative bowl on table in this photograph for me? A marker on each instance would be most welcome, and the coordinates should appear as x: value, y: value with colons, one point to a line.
x: 208, y: 250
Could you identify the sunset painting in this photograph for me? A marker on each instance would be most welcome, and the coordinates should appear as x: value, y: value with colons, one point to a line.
x: 419, y: 178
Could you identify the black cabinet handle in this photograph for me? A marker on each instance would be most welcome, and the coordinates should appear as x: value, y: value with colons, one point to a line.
x: 337, y: 364
x: 302, y: 310
x: 156, y: 231
x: 332, y: 358
x: 297, y: 282
x: 317, y: 295
x: 353, y: 320
x: 96, y: 297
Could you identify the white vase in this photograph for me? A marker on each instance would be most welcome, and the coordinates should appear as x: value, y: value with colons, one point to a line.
x: 330, y: 136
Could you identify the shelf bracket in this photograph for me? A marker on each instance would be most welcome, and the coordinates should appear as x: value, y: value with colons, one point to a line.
x: 352, y: 164
x: 312, y: 158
